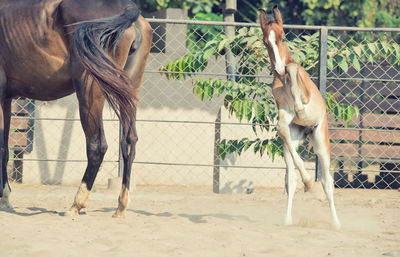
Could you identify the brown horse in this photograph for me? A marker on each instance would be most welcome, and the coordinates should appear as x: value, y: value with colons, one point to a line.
x: 52, y: 48
x: 301, y: 111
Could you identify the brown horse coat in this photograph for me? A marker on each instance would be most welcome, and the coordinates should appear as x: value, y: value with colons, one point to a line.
x: 52, y: 48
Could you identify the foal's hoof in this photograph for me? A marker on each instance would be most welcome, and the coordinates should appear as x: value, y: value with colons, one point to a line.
x: 336, y: 225
x: 308, y: 185
x: 300, y: 113
x: 119, y: 214
x: 73, y: 212
x: 288, y: 221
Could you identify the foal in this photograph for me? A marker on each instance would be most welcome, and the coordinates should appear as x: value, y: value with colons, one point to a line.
x: 301, y: 111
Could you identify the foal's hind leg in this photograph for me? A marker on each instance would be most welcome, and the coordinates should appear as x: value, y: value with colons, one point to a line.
x: 91, y: 102
x: 320, y: 141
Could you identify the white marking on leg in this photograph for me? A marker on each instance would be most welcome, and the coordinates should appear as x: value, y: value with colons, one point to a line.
x: 290, y: 183
x: 5, y: 200
x: 291, y: 135
x: 279, y: 63
x: 123, y: 200
x: 80, y: 200
x: 321, y: 149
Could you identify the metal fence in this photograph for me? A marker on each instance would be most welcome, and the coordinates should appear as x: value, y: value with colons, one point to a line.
x: 178, y: 131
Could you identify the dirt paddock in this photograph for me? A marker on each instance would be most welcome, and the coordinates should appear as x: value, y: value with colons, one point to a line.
x: 193, y: 221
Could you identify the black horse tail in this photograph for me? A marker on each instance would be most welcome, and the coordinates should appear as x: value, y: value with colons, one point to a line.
x: 92, y: 40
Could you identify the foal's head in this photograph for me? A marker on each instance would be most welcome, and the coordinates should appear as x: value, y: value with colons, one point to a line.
x: 273, y: 35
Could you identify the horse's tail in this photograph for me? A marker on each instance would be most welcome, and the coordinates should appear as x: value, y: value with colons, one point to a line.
x: 92, y: 40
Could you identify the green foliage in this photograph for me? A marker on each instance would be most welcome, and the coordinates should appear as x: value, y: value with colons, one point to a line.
x: 199, y: 6
x: 199, y: 35
x: 249, y: 100
x: 193, y: 6
x: 344, y: 112
x: 361, y: 13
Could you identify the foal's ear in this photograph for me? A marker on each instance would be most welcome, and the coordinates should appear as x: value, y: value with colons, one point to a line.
x: 277, y: 15
x: 263, y: 18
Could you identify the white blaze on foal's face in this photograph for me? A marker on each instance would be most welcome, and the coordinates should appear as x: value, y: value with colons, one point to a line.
x: 279, y: 63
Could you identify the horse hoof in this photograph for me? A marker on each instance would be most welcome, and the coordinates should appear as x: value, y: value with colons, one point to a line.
x: 336, y: 226
x: 308, y: 185
x: 6, y: 206
x: 288, y: 222
x: 301, y: 114
x: 119, y: 214
x: 71, y: 213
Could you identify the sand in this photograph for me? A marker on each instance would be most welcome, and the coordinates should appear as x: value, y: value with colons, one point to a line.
x: 193, y: 221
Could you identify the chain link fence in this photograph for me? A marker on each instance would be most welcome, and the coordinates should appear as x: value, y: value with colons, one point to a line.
x: 185, y: 129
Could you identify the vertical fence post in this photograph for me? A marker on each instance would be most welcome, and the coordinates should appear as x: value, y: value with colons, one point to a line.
x: 323, y: 49
x: 229, y: 16
x: 217, y: 137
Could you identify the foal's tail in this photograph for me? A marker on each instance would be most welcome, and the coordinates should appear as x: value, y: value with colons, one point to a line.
x: 92, y: 40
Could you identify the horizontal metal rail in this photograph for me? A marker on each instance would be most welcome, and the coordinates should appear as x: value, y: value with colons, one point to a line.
x: 287, y: 26
x: 269, y: 76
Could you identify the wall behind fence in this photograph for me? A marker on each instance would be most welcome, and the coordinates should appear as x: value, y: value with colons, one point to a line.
x: 177, y: 130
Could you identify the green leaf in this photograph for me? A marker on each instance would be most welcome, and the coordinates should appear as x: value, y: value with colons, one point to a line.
x: 385, y: 46
x: 209, y: 90
x: 257, y: 145
x: 358, y: 50
x: 199, y: 89
x: 222, y: 45
x: 221, y: 149
x: 247, y: 109
x: 343, y: 64
x: 238, y: 109
x: 207, y: 53
x: 371, y: 47
x: 356, y: 64
x: 329, y: 63
x: 247, y: 144
x: 350, y: 112
x: 259, y: 110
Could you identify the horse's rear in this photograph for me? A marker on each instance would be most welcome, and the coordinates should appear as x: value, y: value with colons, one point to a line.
x: 52, y: 48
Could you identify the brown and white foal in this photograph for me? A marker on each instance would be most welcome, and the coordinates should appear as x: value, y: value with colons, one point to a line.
x: 301, y: 112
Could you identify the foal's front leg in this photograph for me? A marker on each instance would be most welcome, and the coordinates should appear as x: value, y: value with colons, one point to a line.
x: 289, y: 133
x: 297, y: 136
x: 290, y: 184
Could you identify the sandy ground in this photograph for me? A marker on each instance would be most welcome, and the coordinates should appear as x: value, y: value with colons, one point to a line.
x: 181, y: 221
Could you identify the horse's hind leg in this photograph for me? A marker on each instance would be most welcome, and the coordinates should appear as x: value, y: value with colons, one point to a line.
x: 6, y: 110
x: 128, y: 148
x: 135, y: 68
x: 320, y: 141
x: 91, y: 102
x: 5, y: 106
